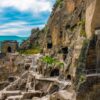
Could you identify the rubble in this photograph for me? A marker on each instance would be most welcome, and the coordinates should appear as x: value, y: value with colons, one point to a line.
x: 33, y: 85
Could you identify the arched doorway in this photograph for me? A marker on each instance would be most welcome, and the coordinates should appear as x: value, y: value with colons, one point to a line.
x: 9, y: 49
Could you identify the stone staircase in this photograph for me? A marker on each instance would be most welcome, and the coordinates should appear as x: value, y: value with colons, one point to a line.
x: 91, y: 56
x: 17, y: 97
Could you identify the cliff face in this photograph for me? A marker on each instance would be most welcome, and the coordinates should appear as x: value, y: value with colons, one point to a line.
x: 64, y: 20
x: 70, y: 35
x: 66, y: 32
x: 33, y: 41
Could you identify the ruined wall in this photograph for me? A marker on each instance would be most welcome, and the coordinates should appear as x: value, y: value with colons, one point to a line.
x: 9, y: 46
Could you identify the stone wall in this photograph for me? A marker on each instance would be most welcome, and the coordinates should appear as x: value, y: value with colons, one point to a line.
x: 9, y: 46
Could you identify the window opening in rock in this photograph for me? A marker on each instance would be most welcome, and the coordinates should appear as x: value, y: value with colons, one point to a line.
x: 27, y: 67
x: 61, y: 34
x: 67, y: 27
x: 9, y: 49
x: 65, y: 50
x: 54, y: 72
x: 49, y: 45
x: 11, y: 78
x: 69, y: 77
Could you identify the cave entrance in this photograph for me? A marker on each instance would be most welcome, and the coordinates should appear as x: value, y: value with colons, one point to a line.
x: 65, y: 52
x: 69, y: 77
x: 27, y: 66
x: 54, y: 72
x: 9, y: 49
x: 49, y: 45
x: 61, y: 34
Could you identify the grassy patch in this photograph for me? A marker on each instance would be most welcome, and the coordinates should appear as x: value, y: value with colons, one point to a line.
x: 30, y: 51
x: 82, y: 24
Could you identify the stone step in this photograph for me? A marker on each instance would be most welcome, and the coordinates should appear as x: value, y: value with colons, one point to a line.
x: 16, y: 97
x: 31, y: 93
x: 10, y: 93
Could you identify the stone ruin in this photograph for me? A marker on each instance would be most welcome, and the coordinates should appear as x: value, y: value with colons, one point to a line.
x: 9, y: 46
x: 36, y: 83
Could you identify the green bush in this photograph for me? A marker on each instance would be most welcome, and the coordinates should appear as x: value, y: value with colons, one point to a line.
x: 58, y: 2
x: 52, y: 61
x: 48, y: 60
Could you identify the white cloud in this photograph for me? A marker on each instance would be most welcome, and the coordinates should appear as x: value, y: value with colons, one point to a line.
x: 22, y: 28
x: 17, y: 28
x: 35, y: 6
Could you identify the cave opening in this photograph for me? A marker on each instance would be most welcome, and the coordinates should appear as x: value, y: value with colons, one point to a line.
x: 69, y: 77
x: 61, y: 34
x: 65, y: 50
x: 54, y: 72
x: 11, y: 79
x: 67, y: 27
x: 9, y: 50
x: 49, y: 45
x: 27, y: 66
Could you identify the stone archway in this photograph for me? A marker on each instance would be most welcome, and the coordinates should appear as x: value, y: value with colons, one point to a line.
x: 9, y: 49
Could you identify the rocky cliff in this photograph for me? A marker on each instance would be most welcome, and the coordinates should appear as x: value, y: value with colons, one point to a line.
x: 70, y: 35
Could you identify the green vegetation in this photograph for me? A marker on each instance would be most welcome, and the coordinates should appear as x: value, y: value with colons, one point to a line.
x: 52, y: 61
x: 48, y: 60
x: 58, y: 2
x: 60, y: 64
x: 30, y: 51
x: 82, y: 24
x: 82, y: 33
x: 82, y: 79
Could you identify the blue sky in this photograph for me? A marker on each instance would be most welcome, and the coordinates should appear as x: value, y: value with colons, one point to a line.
x: 18, y: 17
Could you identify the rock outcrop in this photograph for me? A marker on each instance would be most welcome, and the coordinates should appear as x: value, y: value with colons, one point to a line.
x: 70, y: 36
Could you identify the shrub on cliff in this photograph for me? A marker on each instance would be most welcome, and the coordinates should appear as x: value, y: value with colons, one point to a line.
x: 52, y: 61
x: 58, y: 2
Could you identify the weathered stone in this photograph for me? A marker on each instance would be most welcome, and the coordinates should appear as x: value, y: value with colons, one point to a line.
x: 9, y: 46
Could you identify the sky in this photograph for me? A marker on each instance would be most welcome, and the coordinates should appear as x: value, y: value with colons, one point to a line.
x: 18, y: 17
